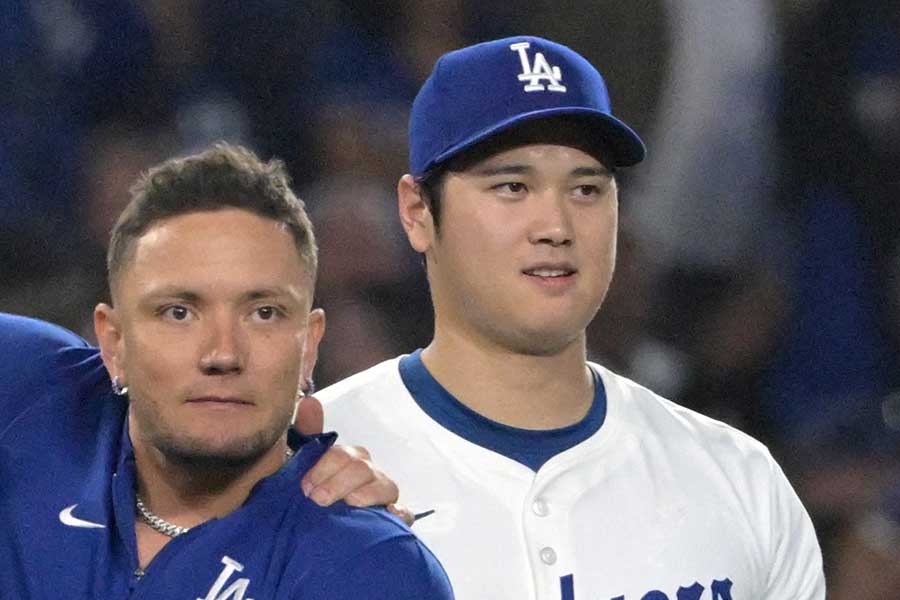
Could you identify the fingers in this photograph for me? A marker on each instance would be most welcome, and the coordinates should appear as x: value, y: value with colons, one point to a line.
x: 346, y: 473
x: 380, y: 491
x: 310, y: 417
x: 338, y: 472
x: 402, y: 512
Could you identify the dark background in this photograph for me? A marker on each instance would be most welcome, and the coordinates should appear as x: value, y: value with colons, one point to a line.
x: 759, y: 269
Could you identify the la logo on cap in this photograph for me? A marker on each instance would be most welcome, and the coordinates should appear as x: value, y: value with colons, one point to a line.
x: 539, y: 71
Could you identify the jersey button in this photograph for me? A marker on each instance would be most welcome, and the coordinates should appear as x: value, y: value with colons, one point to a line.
x: 540, y: 508
x: 548, y: 555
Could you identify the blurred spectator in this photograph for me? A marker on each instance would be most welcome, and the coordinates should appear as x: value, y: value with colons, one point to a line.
x: 370, y: 281
x: 702, y: 199
x: 64, y: 68
x: 110, y: 159
x: 866, y: 559
x: 830, y: 385
x: 841, y: 107
x: 621, y: 336
x: 704, y: 215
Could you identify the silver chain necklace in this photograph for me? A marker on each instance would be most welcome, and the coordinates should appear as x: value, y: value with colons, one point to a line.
x: 156, y: 522
x: 161, y: 525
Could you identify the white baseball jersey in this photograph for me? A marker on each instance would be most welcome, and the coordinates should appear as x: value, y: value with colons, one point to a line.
x: 661, y: 503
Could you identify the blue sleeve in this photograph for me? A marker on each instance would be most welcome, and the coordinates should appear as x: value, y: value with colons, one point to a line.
x: 24, y: 338
x: 29, y: 351
x: 400, y: 568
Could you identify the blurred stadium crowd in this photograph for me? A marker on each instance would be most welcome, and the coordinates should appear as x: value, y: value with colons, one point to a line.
x: 759, y: 264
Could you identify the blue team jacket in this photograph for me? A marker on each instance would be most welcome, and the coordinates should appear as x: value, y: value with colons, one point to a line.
x: 67, y: 505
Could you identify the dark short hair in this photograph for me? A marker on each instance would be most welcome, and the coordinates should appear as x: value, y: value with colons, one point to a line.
x: 566, y: 130
x: 223, y: 176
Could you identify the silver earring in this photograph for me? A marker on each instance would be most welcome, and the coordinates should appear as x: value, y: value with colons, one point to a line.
x: 307, y: 390
x: 117, y: 387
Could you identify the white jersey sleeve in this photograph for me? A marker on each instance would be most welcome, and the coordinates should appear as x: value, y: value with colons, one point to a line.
x: 796, y: 558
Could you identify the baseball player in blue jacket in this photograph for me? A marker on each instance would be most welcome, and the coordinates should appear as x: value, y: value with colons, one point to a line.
x: 162, y: 467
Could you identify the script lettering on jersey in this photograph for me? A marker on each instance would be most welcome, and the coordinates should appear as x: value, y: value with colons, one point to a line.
x: 539, y: 71
x: 719, y: 590
x: 236, y: 590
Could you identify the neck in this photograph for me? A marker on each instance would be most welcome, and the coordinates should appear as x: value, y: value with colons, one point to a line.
x: 521, y: 390
x: 189, y: 494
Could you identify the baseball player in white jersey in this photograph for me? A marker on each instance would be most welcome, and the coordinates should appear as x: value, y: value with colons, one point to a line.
x: 536, y: 474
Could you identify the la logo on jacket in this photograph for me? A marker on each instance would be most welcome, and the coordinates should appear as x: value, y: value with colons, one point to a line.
x: 236, y: 590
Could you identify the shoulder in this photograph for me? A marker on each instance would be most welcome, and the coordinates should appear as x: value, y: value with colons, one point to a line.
x: 31, y: 350
x: 283, y: 546
x: 352, y: 530
x: 372, y: 407
x: 670, y: 427
x: 39, y: 360
x: 290, y: 547
x: 728, y: 465
x: 383, y: 377
x: 26, y: 337
x: 343, y: 552
x: 345, y: 526
x: 353, y: 552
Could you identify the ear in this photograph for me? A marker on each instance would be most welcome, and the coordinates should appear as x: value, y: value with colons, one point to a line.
x: 108, y: 329
x: 315, y: 329
x: 415, y: 214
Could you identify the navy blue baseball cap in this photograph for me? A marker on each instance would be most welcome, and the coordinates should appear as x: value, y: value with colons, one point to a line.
x: 479, y: 91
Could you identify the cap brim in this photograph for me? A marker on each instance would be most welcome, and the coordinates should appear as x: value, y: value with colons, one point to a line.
x: 623, y: 143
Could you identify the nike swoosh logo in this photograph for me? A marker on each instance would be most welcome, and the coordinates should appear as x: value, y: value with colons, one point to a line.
x: 66, y: 518
x: 422, y: 515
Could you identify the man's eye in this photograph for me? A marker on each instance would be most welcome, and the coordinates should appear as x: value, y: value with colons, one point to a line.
x: 267, y: 313
x: 514, y: 187
x: 587, y: 190
x: 176, y: 313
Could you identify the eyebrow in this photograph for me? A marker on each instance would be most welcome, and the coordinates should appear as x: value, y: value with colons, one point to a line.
x: 196, y: 298
x: 263, y: 293
x: 591, y: 172
x: 490, y: 171
x: 173, y: 292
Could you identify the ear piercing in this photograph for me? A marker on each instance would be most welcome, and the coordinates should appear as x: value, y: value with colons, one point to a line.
x: 117, y: 387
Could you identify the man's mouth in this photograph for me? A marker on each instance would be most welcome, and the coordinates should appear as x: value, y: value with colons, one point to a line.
x: 218, y: 400
x: 545, y: 272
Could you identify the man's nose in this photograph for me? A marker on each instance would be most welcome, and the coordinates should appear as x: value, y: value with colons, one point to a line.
x: 552, y: 220
x: 223, y: 351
